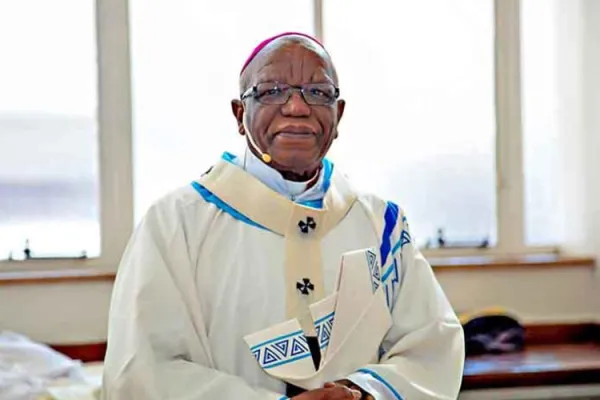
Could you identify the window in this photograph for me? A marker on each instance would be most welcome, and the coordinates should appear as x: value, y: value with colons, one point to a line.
x: 418, y: 78
x: 441, y: 87
x: 187, y: 55
x: 48, y: 129
x: 542, y: 122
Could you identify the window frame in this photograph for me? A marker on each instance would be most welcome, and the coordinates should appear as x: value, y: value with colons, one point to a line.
x: 114, y: 118
x: 116, y: 133
x: 510, y: 183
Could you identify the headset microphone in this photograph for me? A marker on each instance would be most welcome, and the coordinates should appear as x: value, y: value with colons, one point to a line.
x: 264, y: 156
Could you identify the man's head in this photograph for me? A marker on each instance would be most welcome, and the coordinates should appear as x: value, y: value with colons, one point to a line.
x: 295, y: 129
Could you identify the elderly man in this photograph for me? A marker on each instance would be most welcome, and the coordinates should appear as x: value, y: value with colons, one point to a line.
x: 270, y: 277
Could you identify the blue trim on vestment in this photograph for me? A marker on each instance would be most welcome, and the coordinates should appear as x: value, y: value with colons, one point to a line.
x: 390, y: 218
x: 380, y: 379
x: 209, y: 197
x: 276, y: 339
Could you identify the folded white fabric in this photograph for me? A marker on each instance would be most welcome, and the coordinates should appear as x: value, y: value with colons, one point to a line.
x: 26, y: 367
x: 350, y: 325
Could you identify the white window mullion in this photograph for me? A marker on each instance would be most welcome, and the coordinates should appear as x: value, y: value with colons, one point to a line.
x: 509, y: 141
x: 114, y: 120
x: 318, y: 19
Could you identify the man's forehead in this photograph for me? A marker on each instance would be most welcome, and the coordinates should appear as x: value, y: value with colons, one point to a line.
x: 274, y: 59
x: 281, y: 51
x: 276, y: 40
x: 293, y: 43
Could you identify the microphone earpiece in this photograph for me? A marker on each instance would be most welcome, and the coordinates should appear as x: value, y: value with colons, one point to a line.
x: 264, y: 156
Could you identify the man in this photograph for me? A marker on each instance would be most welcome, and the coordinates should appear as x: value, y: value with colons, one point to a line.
x: 252, y: 282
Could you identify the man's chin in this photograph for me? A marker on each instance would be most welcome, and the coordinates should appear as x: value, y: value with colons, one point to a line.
x: 300, y: 164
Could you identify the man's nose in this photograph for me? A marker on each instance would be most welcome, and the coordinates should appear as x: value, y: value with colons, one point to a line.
x: 296, y: 106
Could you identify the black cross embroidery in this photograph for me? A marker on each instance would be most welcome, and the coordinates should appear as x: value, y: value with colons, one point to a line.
x: 305, y: 286
x: 309, y: 224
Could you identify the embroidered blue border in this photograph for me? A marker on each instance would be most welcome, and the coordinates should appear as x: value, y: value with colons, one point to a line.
x: 323, y: 328
x: 276, y: 339
x: 374, y: 269
x: 281, y: 350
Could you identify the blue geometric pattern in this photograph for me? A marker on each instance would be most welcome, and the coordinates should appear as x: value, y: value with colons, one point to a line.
x: 281, y: 350
x: 298, y: 347
x: 403, y: 241
x: 323, y: 328
x: 373, y: 269
x: 391, y: 273
x: 282, y: 346
x: 269, y: 357
x: 405, y: 238
x: 391, y: 280
x: 324, y: 335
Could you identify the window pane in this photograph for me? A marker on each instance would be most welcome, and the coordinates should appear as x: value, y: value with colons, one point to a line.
x: 419, y: 126
x: 187, y: 56
x: 48, y: 133
x: 541, y: 124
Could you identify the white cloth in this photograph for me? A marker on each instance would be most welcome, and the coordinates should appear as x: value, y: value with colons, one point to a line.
x: 350, y: 325
x: 217, y: 262
x: 26, y: 367
x: 295, y: 191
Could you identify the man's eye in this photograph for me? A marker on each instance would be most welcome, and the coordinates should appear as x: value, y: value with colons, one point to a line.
x: 273, y: 91
x: 319, y: 93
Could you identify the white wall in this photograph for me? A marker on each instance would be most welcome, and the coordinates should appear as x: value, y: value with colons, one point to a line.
x: 57, y: 313
x: 543, y: 295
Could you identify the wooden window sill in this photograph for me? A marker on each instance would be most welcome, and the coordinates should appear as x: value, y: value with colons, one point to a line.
x: 528, y: 261
x: 55, y: 276
x: 446, y: 264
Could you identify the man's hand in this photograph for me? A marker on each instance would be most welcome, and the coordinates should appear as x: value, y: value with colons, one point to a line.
x: 331, y: 391
x: 351, y: 385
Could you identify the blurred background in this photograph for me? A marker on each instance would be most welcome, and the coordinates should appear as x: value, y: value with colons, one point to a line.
x: 480, y: 118
x: 420, y: 128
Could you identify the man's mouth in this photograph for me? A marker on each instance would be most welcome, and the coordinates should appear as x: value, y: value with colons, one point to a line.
x: 295, y: 132
x: 298, y: 135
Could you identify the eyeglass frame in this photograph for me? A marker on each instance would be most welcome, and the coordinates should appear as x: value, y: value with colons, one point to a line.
x: 253, y: 91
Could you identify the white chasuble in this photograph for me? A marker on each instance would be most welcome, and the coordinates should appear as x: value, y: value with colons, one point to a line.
x: 224, y: 279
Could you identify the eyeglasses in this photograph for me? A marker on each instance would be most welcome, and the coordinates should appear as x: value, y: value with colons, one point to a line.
x: 316, y: 94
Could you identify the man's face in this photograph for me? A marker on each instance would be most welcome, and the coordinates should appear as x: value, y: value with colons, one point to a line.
x: 296, y: 135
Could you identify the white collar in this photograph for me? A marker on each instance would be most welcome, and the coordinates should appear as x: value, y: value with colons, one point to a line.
x: 272, y: 178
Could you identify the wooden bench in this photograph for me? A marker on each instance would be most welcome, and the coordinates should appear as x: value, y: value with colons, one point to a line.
x: 554, y: 355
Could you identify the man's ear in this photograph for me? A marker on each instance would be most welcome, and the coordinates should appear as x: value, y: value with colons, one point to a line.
x: 341, y: 106
x: 237, y: 107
